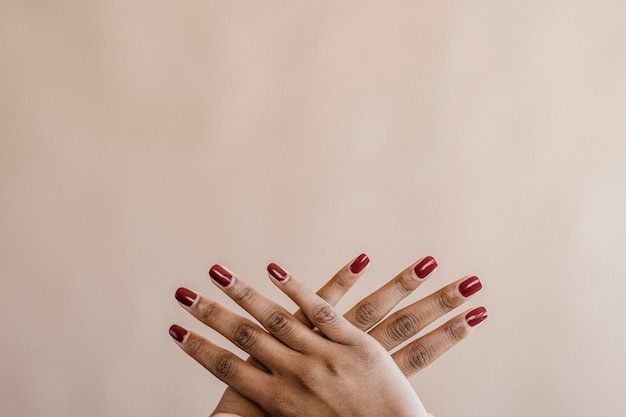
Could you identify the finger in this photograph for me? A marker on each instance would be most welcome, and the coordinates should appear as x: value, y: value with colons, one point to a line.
x: 222, y: 363
x: 339, y: 284
x: 245, y: 334
x: 407, y: 322
x: 422, y: 352
x: 319, y: 312
x: 277, y: 320
x: 374, y: 307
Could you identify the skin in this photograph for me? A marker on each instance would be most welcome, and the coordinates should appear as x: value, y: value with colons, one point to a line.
x: 342, y: 371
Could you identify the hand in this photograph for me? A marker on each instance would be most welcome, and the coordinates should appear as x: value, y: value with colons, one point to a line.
x: 352, y: 354
x: 404, y: 324
x: 339, y: 284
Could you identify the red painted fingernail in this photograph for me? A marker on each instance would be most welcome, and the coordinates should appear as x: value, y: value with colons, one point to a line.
x: 185, y: 296
x: 476, y: 316
x: 359, y: 263
x: 220, y: 275
x: 277, y: 272
x: 470, y: 286
x: 178, y: 332
x: 425, y: 267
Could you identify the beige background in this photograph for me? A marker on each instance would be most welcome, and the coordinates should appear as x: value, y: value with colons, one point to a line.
x: 142, y: 142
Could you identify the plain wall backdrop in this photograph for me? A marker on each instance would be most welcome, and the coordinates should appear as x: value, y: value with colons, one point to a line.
x: 141, y: 142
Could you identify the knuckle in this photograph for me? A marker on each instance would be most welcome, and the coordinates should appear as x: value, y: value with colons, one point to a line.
x: 403, y: 328
x: 324, y: 314
x: 419, y: 357
x: 367, y: 314
x: 406, y: 283
x: 279, y: 324
x: 308, y: 375
x: 245, y: 336
x: 226, y: 367
x: 206, y: 311
x: 446, y: 301
x: 368, y: 356
x: 455, y: 332
x: 195, y: 347
x: 244, y: 295
x: 341, y: 281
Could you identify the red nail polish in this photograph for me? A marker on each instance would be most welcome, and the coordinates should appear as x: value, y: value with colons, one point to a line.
x: 220, y: 275
x: 425, y: 267
x: 277, y: 272
x: 178, y: 332
x: 359, y: 263
x: 470, y: 286
x: 476, y: 316
x: 185, y: 296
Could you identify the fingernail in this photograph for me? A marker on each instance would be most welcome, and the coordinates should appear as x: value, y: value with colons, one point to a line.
x: 185, y: 296
x: 476, y: 316
x: 178, y: 332
x: 220, y: 275
x: 425, y: 267
x: 359, y: 263
x: 277, y: 272
x: 470, y: 286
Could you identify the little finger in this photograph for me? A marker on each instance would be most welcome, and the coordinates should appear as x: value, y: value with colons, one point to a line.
x: 422, y: 352
x: 245, y: 334
x: 222, y: 363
